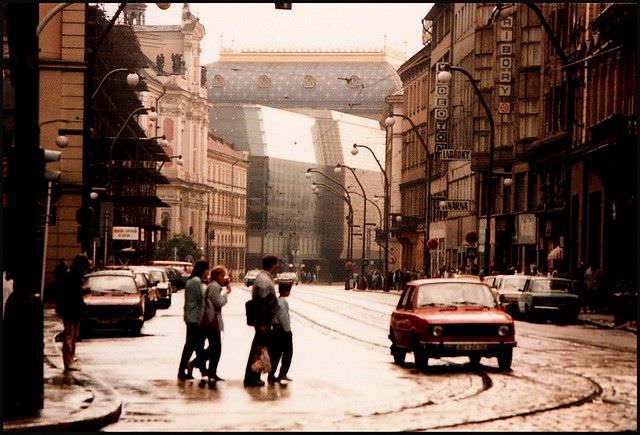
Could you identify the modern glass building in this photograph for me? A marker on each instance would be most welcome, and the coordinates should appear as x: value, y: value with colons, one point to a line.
x: 297, y: 110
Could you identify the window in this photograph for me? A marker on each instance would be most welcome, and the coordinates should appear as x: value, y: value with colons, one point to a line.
x: 530, y: 46
x: 528, y: 119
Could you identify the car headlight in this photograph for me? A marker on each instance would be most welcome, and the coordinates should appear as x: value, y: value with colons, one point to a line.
x: 437, y: 330
x: 504, y: 330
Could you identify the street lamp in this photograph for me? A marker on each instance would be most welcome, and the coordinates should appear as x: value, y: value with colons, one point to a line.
x: 132, y: 79
x: 338, y: 168
x: 350, y: 224
x: 385, y: 226
x: 444, y: 76
x: 345, y: 197
x: 426, y: 259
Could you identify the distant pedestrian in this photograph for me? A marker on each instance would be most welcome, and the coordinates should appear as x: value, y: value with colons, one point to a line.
x: 263, y: 294
x: 281, y: 338
x: 591, y: 289
x: 71, y: 308
x: 193, y: 297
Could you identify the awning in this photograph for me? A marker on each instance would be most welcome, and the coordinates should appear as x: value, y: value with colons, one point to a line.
x: 555, y: 254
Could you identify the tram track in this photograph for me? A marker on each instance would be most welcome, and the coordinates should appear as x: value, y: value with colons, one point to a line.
x: 591, y: 391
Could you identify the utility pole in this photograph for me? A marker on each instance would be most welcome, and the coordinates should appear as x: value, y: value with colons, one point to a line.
x: 23, y: 356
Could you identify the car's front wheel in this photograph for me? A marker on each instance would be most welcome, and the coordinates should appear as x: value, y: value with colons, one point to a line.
x: 420, y: 359
x: 504, y: 359
x: 398, y: 355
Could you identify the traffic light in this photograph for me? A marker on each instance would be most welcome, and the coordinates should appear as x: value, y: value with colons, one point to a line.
x: 51, y: 156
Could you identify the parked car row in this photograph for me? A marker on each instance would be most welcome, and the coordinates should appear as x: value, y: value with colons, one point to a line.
x: 123, y: 297
x: 537, y: 296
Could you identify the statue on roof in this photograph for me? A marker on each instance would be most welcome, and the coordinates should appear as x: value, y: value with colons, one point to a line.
x: 177, y: 63
x: 160, y: 61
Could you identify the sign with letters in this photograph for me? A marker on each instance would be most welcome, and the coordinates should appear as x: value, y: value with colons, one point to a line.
x: 455, y: 154
x: 125, y: 233
x: 455, y: 205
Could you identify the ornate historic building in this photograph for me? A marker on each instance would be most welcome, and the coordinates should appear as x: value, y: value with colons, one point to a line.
x: 199, y: 170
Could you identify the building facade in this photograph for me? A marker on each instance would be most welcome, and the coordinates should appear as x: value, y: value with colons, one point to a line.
x: 226, y: 224
x: 312, y: 107
x: 558, y: 133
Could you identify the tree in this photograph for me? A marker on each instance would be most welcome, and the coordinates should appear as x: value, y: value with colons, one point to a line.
x: 182, y: 247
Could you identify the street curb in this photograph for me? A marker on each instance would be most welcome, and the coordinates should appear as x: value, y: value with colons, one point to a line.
x: 607, y: 326
x: 106, y: 404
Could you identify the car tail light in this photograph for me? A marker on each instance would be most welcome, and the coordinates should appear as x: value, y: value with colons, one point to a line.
x: 437, y: 330
x: 504, y: 330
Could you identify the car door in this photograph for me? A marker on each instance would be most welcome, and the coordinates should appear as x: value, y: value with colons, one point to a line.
x: 525, y: 297
x: 401, y: 318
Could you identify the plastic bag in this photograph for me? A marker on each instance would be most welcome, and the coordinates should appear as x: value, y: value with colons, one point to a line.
x: 263, y: 363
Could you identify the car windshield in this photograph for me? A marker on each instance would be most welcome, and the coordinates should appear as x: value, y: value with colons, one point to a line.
x: 156, y: 275
x: 447, y: 294
x: 513, y: 283
x: 111, y: 284
x: 546, y: 285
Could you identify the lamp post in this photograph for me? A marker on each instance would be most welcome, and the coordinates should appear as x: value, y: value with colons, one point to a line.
x: 426, y: 259
x: 385, y: 226
x: 380, y: 224
x: 132, y: 79
x: 109, y: 184
x: 444, y: 76
x: 338, y: 168
x: 350, y: 223
x: 348, y: 196
x: 345, y: 198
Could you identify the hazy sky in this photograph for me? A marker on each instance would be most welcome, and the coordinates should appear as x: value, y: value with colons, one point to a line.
x: 306, y: 26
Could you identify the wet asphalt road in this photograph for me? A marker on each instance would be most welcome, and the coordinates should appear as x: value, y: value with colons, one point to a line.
x: 563, y: 378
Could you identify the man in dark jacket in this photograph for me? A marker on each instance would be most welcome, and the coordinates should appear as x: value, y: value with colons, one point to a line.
x: 71, y: 308
x: 264, y: 295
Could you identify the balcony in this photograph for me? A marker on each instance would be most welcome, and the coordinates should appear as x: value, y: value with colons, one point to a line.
x: 502, y: 156
x: 614, y: 128
x: 408, y: 223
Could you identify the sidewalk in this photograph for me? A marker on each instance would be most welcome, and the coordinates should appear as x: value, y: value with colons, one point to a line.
x: 607, y: 321
x: 72, y: 402
x: 79, y: 402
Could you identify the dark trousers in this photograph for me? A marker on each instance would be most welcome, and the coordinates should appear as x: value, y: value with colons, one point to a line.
x: 193, y: 343
x: 213, y: 351
x: 281, y: 346
x: 260, y: 339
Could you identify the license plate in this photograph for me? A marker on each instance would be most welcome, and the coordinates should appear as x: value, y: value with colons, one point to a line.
x: 471, y: 346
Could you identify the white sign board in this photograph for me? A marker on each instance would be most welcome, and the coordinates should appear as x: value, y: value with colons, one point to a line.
x: 125, y: 233
x: 526, y: 228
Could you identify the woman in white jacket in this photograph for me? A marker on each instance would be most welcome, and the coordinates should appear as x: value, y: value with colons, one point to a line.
x: 215, y: 297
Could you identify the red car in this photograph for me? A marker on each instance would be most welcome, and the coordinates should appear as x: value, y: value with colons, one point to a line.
x: 450, y: 317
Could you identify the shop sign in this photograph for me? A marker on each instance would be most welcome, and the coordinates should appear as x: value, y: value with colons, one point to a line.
x: 455, y: 154
x: 125, y: 233
x: 455, y: 205
x: 526, y: 228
